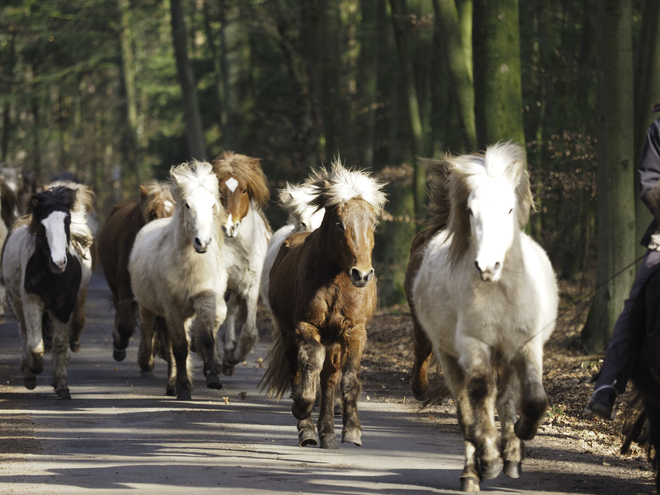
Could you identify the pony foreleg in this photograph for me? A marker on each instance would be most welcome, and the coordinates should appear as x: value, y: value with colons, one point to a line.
x: 60, y: 357
x: 30, y: 316
x: 77, y: 322
x: 176, y: 335
x: 229, y: 334
x: 507, y: 406
x: 249, y: 333
x: 124, y: 322
x: 534, y: 403
x: 146, y: 350
x: 330, y: 376
x: 351, y: 386
x: 306, y: 432
x: 205, y: 312
x: 310, y: 360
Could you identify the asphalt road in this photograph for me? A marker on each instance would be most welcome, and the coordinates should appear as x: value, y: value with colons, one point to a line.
x: 120, y: 434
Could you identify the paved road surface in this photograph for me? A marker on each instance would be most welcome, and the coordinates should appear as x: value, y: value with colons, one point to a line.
x: 120, y: 434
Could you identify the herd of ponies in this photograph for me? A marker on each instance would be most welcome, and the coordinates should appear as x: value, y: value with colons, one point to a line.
x: 193, y: 257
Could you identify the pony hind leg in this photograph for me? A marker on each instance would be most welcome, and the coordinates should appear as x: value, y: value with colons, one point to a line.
x: 307, y: 432
x: 508, y: 401
x: 351, y: 386
x: 229, y: 333
x: 330, y: 377
x: 249, y: 333
x: 534, y: 401
x: 179, y: 345
x: 77, y: 322
x: 423, y: 351
x: 60, y: 357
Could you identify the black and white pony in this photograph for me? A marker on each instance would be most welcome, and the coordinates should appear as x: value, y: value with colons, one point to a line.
x: 47, y: 265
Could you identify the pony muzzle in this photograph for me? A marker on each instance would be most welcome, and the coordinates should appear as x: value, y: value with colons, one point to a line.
x: 361, y: 278
x: 58, y: 266
x: 201, y: 245
x: 489, y: 273
x: 231, y: 229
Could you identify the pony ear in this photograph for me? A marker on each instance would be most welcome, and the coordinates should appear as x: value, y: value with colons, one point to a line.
x: 143, y: 191
x: 34, y: 201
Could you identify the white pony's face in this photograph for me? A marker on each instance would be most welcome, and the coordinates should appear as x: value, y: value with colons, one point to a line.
x: 492, y: 210
x: 56, y: 227
x: 199, y: 210
x: 310, y: 220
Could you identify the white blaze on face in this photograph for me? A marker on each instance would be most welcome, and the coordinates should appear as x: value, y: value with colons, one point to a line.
x: 167, y: 206
x: 56, y: 236
x: 231, y: 184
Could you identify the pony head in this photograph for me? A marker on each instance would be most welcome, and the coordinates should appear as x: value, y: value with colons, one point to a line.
x: 352, y: 201
x: 156, y: 200
x: 241, y: 181
x: 489, y: 200
x: 51, y: 224
x: 198, y: 205
x: 295, y: 200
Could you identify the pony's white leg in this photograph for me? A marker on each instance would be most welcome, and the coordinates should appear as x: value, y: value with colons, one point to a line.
x: 534, y: 401
x: 30, y: 313
x: 508, y: 401
x: 229, y: 332
x: 455, y: 378
x: 249, y: 333
x: 310, y: 360
x: 60, y: 356
x: 146, y: 350
x: 205, y: 330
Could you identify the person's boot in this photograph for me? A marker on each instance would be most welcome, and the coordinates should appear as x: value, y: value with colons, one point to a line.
x: 602, y: 402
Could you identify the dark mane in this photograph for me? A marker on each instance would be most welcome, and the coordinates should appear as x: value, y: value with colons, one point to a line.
x: 59, y: 198
x: 228, y: 164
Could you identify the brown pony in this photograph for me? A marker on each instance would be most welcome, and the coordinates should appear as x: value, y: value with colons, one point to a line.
x: 322, y: 294
x: 115, y: 243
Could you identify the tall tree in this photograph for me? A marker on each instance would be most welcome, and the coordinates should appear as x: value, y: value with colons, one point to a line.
x: 194, y: 132
x: 497, y: 83
x: 616, y: 169
x: 447, y: 21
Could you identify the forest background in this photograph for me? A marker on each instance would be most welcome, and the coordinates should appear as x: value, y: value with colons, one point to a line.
x: 118, y: 91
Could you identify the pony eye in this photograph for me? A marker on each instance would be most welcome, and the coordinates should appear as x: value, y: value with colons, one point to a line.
x: 213, y: 207
x: 187, y: 206
x: 154, y: 215
x: 340, y: 226
x: 244, y: 191
x: 510, y: 211
x: 470, y: 212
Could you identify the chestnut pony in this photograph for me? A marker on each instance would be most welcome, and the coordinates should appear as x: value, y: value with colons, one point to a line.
x: 115, y: 243
x: 322, y: 294
x: 244, y: 194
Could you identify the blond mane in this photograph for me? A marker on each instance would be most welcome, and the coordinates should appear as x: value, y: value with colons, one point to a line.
x: 229, y: 164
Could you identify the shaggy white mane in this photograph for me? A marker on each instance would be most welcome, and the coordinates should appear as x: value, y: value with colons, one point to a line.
x: 340, y: 185
x: 190, y: 176
x: 296, y: 201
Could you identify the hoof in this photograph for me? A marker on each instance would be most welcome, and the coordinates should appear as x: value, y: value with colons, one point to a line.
x: 307, y: 438
x: 329, y: 441
x: 301, y: 413
x: 184, y: 395
x: 512, y: 469
x: 524, y: 430
x: 470, y: 484
x: 227, y: 370
x: 74, y: 346
x: 119, y: 354
x: 38, y: 365
x: 491, y: 470
x: 212, y: 381
x: 147, y: 367
x: 170, y: 391
x: 30, y: 383
x: 63, y: 393
x: 353, y: 435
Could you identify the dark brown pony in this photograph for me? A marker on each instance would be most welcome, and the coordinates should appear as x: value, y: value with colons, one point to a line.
x: 644, y: 369
x: 322, y: 294
x: 115, y: 242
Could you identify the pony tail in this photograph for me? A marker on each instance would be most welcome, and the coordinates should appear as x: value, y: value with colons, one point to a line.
x: 277, y: 378
x: 438, y: 192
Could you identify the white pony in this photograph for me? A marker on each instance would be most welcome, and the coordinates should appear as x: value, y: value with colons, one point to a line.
x: 244, y: 194
x: 47, y: 266
x: 485, y: 295
x: 303, y: 217
x: 177, y: 273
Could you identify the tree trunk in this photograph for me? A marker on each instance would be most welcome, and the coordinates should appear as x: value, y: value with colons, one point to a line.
x: 217, y: 65
x: 497, y: 82
x: 465, y: 28
x: 616, y: 169
x: 447, y: 23
x: 401, y: 35
x: 647, y: 92
x: 192, y: 118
